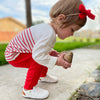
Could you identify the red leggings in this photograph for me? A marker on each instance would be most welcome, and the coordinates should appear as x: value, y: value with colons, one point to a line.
x: 35, y: 70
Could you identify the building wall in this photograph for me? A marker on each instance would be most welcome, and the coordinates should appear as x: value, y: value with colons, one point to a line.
x: 10, y: 26
x: 88, y: 34
x: 7, y: 36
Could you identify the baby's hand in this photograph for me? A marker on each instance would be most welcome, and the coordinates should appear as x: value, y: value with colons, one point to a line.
x: 54, y: 53
x: 62, y: 62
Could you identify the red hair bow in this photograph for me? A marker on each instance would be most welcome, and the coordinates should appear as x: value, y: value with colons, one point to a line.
x: 84, y: 12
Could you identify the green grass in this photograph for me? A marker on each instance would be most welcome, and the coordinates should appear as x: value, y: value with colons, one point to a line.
x: 2, y: 57
x: 59, y: 46
x: 98, y: 68
x: 72, y: 97
x: 96, y: 46
x: 78, y: 39
x: 62, y: 46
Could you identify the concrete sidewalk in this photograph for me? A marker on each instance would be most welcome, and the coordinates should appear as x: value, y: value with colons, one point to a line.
x: 84, y: 62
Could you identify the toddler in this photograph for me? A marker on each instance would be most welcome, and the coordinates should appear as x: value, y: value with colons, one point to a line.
x: 32, y: 48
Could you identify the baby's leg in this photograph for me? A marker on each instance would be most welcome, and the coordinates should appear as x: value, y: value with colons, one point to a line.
x: 44, y: 71
x: 25, y: 60
x: 33, y: 75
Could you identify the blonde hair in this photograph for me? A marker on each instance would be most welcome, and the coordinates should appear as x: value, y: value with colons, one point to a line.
x: 70, y: 8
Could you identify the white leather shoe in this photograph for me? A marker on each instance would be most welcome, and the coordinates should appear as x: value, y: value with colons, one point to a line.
x: 49, y: 79
x: 35, y: 93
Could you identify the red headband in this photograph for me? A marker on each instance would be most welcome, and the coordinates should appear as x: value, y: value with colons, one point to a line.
x: 84, y: 12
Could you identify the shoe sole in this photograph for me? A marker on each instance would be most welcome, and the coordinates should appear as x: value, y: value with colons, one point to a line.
x: 47, y: 82
x: 35, y: 98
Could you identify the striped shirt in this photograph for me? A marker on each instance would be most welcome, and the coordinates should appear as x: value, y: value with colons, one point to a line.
x: 38, y: 40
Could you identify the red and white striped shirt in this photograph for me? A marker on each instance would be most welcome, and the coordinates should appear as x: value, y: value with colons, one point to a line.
x: 38, y: 40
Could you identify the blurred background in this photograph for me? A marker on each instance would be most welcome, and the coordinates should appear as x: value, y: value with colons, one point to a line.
x: 16, y: 15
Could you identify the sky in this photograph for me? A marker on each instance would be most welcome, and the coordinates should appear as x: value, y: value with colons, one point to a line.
x: 41, y: 8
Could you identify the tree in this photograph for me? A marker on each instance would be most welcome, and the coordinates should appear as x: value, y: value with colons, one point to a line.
x: 37, y: 22
x: 28, y: 13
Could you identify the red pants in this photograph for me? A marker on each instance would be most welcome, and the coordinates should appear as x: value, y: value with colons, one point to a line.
x: 35, y: 70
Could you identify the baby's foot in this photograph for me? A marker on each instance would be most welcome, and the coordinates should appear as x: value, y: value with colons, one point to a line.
x: 35, y: 93
x: 49, y: 79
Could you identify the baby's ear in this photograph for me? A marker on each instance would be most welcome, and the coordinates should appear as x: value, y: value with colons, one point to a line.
x: 60, y: 17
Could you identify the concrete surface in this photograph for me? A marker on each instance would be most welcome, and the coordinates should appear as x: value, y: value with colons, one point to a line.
x: 84, y: 62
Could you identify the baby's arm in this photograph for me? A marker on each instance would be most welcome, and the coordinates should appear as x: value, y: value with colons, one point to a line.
x: 54, y: 53
x: 40, y: 53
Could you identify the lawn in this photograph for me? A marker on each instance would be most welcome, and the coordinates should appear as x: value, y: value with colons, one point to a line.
x: 2, y: 57
x: 62, y: 46
x: 59, y: 46
x: 96, y: 46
